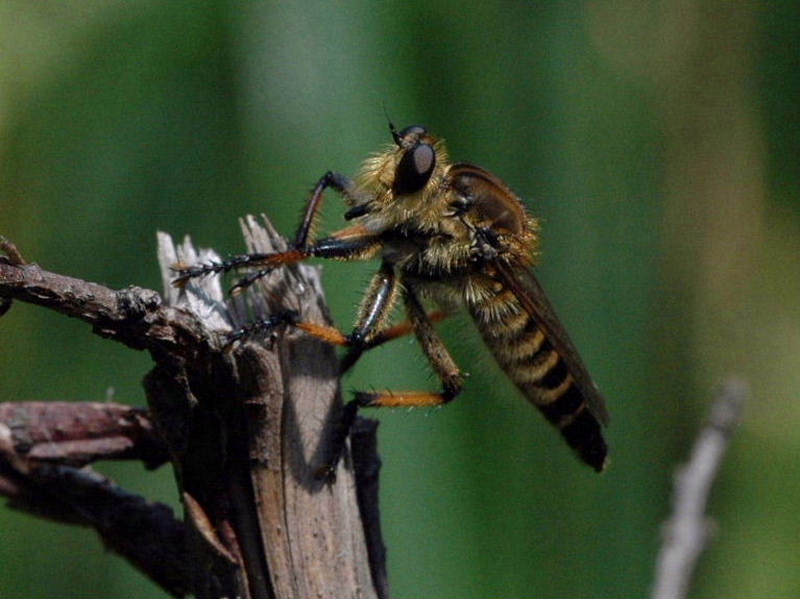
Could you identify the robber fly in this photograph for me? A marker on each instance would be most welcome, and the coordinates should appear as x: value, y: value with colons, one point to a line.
x: 450, y: 234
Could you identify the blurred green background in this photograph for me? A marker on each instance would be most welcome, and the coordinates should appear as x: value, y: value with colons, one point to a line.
x: 658, y: 142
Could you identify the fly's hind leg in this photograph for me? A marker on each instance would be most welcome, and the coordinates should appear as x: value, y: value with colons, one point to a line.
x: 440, y: 359
x: 373, y: 315
x: 370, y: 331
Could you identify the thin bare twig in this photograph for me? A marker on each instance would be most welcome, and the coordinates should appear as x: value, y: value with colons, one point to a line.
x: 689, y: 529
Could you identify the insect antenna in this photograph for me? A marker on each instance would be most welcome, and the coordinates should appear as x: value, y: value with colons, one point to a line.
x: 392, y: 128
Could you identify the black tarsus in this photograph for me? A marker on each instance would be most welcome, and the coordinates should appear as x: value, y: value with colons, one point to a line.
x: 263, y: 326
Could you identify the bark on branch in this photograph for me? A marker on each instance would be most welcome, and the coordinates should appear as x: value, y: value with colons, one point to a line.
x: 245, y: 430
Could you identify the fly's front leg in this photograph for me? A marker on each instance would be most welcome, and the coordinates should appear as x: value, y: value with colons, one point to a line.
x: 353, y: 243
x: 341, y: 183
x: 302, y: 248
x: 304, y: 244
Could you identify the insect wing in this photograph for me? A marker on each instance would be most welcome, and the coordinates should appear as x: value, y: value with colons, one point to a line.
x: 527, y: 289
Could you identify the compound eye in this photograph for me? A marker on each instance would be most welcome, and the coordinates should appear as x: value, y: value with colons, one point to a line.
x: 414, y: 170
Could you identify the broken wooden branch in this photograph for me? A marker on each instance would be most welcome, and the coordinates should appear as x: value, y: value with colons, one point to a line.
x: 245, y: 427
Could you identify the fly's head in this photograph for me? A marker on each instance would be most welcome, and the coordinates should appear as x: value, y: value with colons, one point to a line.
x: 409, y: 172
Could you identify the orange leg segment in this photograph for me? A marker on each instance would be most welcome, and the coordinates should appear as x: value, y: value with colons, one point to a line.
x: 401, y: 399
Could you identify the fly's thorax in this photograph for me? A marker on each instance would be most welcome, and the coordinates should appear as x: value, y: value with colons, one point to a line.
x: 493, y: 211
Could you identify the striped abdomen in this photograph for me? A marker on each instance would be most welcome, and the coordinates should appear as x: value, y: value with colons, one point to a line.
x: 523, y: 350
